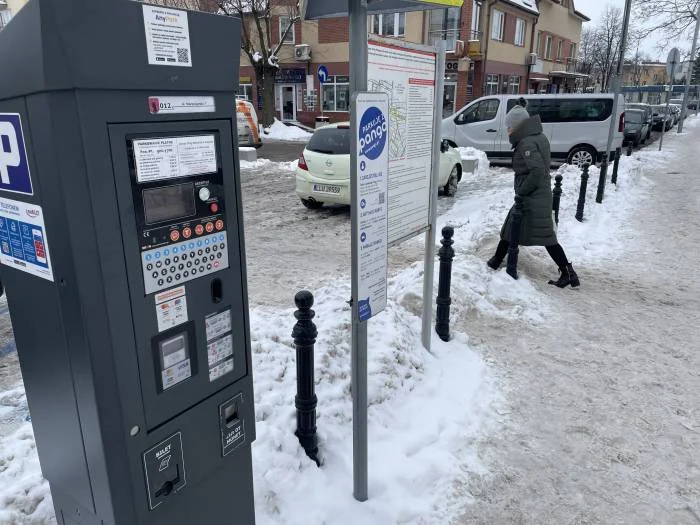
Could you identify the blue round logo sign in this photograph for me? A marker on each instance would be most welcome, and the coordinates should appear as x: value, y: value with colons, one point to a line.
x: 373, y: 132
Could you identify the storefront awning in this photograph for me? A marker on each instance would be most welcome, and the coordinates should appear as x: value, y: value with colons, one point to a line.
x: 539, y: 79
x: 314, y: 9
x: 567, y: 74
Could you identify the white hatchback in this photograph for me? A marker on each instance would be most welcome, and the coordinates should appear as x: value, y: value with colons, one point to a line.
x: 323, y: 170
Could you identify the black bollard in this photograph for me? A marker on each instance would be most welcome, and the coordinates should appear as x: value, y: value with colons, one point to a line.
x: 304, y: 334
x: 601, y: 181
x: 629, y: 150
x: 582, y: 194
x: 616, y: 165
x: 556, y: 197
x: 517, y: 219
x: 446, y: 254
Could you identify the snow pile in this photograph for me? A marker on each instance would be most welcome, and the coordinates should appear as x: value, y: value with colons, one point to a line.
x: 425, y: 411
x: 280, y: 131
x: 479, y: 156
x: 268, y: 165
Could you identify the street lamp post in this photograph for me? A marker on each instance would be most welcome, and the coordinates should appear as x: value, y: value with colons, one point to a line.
x: 684, y: 108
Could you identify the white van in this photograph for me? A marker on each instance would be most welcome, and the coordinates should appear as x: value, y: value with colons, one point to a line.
x: 577, y: 126
x: 247, y: 123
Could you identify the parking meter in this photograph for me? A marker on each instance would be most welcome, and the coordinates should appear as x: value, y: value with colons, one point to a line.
x: 123, y: 260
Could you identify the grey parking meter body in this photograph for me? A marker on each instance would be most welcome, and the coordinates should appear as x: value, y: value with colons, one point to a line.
x: 121, y: 242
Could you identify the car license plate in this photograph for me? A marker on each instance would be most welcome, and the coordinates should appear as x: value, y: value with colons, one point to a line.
x: 326, y: 188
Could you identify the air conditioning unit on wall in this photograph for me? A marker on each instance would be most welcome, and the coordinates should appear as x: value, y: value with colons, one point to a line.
x: 302, y: 52
x: 531, y: 59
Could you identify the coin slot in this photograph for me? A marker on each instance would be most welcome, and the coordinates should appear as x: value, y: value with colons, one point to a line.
x: 217, y: 291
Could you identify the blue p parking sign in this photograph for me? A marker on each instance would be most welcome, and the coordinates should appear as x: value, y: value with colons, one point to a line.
x: 14, y: 168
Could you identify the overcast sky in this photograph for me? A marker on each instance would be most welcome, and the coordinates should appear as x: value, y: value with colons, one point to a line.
x: 594, y: 10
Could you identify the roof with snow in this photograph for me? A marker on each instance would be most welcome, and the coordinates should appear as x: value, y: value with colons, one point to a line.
x: 527, y: 5
x: 314, y: 9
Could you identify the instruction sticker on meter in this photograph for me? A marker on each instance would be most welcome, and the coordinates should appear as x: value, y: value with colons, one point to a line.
x: 218, y: 324
x: 167, y: 36
x: 171, y: 308
x: 175, y: 360
x: 173, y: 157
x: 23, y: 243
x: 219, y: 349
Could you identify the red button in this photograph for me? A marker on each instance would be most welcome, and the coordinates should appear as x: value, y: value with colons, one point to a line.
x: 187, y: 233
x: 214, y: 207
x: 199, y: 229
x: 216, y: 264
x: 219, y: 225
x: 210, y: 227
x: 174, y: 235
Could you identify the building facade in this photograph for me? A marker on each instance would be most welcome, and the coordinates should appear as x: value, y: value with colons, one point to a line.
x: 644, y: 74
x: 9, y: 8
x: 494, y: 46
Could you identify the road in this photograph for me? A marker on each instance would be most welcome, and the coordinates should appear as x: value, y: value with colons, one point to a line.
x: 280, y: 151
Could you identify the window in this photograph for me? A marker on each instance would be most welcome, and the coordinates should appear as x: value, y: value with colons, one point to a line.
x: 284, y: 23
x: 331, y: 141
x: 497, y: 24
x: 5, y: 17
x: 492, y: 84
x: 476, y: 14
x: 514, y: 85
x: 520, y: 32
x: 568, y: 109
x: 573, y: 51
x: 482, y: 111
x: 245, y: 91
x: 392, y: 24
x: 336, y: 94
x: 538, y: 44
x: 560, y: 47
x: 548, y: 47
x: 444, y: 25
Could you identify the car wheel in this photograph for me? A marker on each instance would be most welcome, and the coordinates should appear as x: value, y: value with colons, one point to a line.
x: 581, y: 155
x: 310, y: 204
x: 451, y: 187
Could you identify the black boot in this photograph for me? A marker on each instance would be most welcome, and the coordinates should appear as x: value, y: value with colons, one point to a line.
x: 567, y: 277
x: 494, y: 262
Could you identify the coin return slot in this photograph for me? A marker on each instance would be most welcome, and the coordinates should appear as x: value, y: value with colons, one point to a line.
x: 217, y: 291
x: 230, y: 415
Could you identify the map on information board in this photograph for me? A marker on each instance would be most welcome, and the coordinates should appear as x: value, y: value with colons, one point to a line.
x: 408, y: 77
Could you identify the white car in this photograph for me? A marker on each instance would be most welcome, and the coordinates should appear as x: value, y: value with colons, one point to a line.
x: 323, y: 170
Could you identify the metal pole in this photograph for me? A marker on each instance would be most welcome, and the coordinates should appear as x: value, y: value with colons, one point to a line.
x: 616, y: 79
x: 668, y: 100
x: 357, y: 11
x: 684, y: 108
x: 431, y: 234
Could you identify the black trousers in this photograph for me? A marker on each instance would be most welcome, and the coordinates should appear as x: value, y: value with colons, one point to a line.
x: 555, y: 251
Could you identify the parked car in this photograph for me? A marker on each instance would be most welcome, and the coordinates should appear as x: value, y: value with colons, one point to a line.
x: 323, y: 170
x: 636, y: 127
x: 661, y: 118
x: 247, y: 124
x: 577, y: 125
x: 648, y: 115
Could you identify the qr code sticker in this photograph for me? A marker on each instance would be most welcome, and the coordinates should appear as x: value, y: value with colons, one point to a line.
x: 183, y: 55
x: 382, y: 197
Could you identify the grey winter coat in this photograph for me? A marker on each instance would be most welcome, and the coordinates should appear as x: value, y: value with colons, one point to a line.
x: 531, y: 160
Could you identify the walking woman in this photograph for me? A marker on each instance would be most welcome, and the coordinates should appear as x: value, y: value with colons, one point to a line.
x: 531, y: 161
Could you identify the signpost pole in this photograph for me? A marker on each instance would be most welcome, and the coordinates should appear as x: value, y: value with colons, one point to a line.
x: 668, y: 97
x: 430, y: 235
x: 357, y: 11
x: 689, y: 74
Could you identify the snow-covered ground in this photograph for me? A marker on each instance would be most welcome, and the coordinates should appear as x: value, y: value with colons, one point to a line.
x: 280, y: 131
x: 547, y: 406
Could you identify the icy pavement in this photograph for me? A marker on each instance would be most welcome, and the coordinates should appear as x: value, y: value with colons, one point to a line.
x: 548, y: 406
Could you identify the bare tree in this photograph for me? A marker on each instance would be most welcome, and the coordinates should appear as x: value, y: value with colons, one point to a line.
x: 670, y: 20
x: 638, y: 66
x: 586, y: 55
x: 257, y: 43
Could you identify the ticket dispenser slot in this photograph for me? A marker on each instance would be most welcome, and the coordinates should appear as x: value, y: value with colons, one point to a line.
x: 165, y: 469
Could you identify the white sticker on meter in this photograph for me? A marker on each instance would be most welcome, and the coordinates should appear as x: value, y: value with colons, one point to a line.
x: 220, y: 370
x: 167, y: 36
x: 220, y: 349
x: 218, y: 324
x: 172, y: 157
x: 175, y: 361
x: 171, y: 308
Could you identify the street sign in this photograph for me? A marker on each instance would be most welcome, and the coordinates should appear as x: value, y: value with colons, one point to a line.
x: 322, y: 73
x: 14, y: 168
x: 674, y: 58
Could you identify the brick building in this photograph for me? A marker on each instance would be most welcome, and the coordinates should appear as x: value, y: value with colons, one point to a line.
x: 509, y: 46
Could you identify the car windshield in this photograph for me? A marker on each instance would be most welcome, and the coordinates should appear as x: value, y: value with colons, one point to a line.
x: 634, y: 117
x: 660, y: 109
x: 331, y: 141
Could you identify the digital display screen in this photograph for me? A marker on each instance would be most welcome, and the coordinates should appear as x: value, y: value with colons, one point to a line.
x: 168, y: 203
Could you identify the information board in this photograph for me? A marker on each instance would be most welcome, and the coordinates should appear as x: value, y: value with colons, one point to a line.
x: 168, y: 158
x: 23, y: 243
x: 407, y: 76
x: 372, y: 133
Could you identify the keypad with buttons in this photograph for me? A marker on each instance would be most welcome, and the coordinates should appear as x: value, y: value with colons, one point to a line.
x: 207, y: 254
